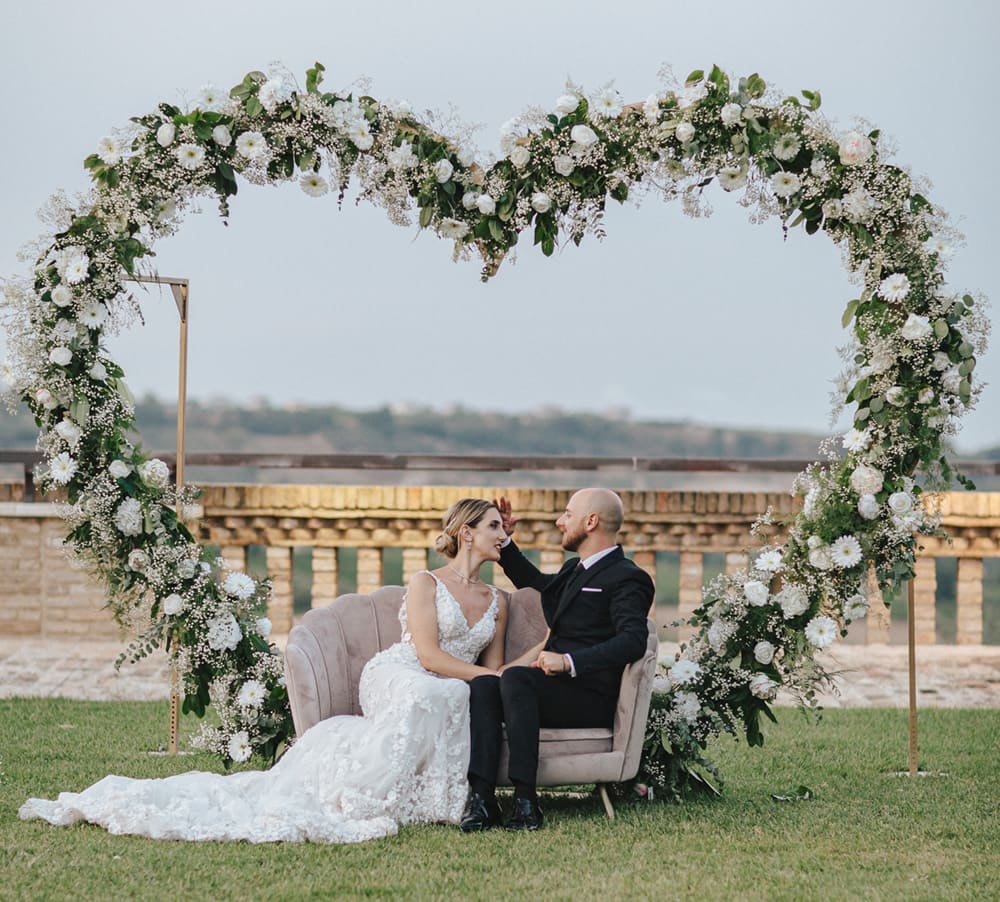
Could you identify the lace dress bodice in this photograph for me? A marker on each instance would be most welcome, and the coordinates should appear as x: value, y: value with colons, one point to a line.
x: 347, y: 779
x: 456, y: 635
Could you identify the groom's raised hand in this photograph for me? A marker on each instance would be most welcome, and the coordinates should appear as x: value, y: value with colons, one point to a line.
x: 507, y: 519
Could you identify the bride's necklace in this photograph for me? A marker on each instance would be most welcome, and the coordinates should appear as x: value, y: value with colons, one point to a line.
x: 465, y: 579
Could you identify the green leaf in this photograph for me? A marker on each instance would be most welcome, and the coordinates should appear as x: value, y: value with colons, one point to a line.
x: 694, y: 77
x: 965, y: 349
x: 814, y: 99
x: 876, y: 404
x: 314, y: 77
x: 967, y: 366
x: 940, y: 328
x: 719, y: 78
x: 426, y: 214
x: 967, y: 299
x: 496, y: 230
x: 756, y: 86
x: 254, y: 107
x: 799, y: 794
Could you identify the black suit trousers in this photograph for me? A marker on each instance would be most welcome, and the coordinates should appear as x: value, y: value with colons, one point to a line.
x: 525, y: 699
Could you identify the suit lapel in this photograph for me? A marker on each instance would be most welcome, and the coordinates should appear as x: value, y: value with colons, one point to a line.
x: 575, y: 583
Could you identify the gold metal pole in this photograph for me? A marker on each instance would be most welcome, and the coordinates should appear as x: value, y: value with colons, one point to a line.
x: 911, y: 630
x: 179, y: 289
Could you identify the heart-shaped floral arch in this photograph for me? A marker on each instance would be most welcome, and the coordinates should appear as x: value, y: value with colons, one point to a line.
x: 909, y: 365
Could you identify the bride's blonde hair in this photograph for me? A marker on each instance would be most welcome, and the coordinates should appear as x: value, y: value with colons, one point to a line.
x: 466, y: 512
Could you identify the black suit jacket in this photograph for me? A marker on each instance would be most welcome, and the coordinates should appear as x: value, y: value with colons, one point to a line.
x: 598, y: 616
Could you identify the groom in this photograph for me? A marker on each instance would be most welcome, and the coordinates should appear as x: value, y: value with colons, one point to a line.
x: 595, y: 608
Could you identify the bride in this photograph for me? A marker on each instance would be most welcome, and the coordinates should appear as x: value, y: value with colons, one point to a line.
x: 348, y: 779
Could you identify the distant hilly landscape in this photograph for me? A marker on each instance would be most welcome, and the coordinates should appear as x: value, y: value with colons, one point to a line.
x: 222, y: 426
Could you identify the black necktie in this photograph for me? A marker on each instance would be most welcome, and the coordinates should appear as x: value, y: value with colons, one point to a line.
x: 578, y: 569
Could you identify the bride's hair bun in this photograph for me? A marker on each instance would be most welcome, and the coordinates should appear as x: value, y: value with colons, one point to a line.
x: 466, y: 512
x: 446, y: 545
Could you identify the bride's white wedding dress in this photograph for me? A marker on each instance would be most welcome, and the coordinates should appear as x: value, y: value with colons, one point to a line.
x: 347, y: 779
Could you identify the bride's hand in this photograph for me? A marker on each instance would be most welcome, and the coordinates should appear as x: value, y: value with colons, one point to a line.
x: 508, y: 521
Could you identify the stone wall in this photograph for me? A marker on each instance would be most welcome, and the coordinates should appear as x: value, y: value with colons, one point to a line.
x: 44, y: 594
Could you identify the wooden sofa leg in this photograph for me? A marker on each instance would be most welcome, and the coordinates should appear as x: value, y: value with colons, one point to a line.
x: 602, y: 790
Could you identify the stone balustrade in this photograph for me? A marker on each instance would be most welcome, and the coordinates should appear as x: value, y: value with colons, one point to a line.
x: 45, y: 594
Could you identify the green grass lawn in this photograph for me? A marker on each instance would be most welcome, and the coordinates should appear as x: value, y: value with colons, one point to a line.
x: 865, y: 834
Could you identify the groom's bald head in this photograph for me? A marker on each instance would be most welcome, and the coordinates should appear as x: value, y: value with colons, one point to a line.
x: 605, y: 504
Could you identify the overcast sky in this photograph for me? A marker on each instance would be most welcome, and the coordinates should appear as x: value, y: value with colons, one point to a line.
x: 712, y: 320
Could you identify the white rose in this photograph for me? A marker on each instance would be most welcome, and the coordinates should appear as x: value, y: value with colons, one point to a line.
x: 662, y: 684
x: 756, y: 592
x: 926, y: 396
x: 684, y: 132
x: 172, y: 604
x: 866, y: 480
x: 900, y: 503
x: 563, y: 164
x: 186, y: 569
x: 487, y: 206
x: 793, y: 600
x: 814, y: 542
x: 855, y: 149
x: 651, y: 108
x: 44, y: 397
x: 941, y: 361
x: 520, y: 155
x: 951, y: 381
x: 820, y: 558
x: 264, y: 626
x: 165, y: 134
x: 763, y: 651
x: 567, y: 104
x: 916, y: 328
x: 465, y: 155
x: 154, y: 473
x: 222, y: 136
x: 856, y: 607
x: 762, y: 686
x: 119, y: 469
x: 583, y: 135
x: 541, y: 202
x: 60, y: 356
x: 61, y: 296
x: 443, y: 170
x: 138, y: 560
x: 68, y: 431
x: 731, y: 114
x: 881, y: 361
x: 98, y: 372
x: 833, y: 208
x: 896, y: 396
x: 868, y: 506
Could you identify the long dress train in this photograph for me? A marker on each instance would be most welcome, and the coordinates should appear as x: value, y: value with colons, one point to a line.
x: 347, y: 779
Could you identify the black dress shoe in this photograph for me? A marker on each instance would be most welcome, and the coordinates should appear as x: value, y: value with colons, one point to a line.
x: 480, y: 814
x: 527, y: 816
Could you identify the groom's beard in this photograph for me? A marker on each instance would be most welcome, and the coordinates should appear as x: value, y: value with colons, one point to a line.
x: 573, y: 540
